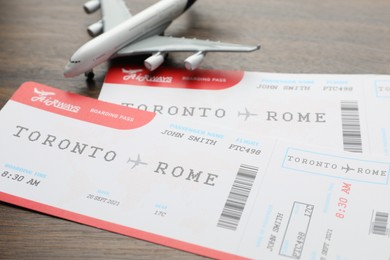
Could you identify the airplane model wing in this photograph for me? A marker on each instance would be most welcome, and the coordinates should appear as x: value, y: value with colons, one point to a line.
x: 114, y: 12
x: 156, y: 44
x: 159, y: 45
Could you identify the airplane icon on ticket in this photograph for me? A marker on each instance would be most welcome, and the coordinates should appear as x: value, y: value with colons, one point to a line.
x: 247, y: 114
x: 347, y: 169
x: 136, y: 162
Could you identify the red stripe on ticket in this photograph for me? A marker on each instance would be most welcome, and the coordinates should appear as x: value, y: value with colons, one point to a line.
x: 82, y: 108
x: 174, y: 77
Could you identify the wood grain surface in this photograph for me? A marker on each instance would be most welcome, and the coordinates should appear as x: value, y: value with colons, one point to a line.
x: 37, y: 37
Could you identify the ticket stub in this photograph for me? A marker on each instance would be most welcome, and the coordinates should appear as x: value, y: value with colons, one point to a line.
x: 344, y: 112
x: 190, y: 185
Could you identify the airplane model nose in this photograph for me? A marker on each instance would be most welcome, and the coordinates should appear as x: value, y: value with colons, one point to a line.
x: 67, y: 70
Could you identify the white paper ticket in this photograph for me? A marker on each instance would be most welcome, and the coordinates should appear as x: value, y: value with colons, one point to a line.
x: 343, y: 112
x: 196, y: 187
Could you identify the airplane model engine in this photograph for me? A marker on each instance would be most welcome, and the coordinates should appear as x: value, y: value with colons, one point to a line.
x: 194, y: 61
x: 91, y: 6
x: 154, y: 61
x: 95, y: 29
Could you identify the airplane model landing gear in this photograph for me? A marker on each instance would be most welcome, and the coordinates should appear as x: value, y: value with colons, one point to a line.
x: 89, y: 74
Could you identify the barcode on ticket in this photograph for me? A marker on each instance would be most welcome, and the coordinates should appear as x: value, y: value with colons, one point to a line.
x: 380, y: 223
x: 352, y: 137
x: 238, y: 196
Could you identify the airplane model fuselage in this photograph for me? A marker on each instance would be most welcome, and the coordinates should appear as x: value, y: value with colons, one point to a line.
x: 141, y: 34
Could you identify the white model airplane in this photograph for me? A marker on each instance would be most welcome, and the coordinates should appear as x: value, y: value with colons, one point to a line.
x: 124, y: 34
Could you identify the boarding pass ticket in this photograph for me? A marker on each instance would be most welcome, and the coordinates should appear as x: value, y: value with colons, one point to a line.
x: 344, y: 112
x: 192, y: 186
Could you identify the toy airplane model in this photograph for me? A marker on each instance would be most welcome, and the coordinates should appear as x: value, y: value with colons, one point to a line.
x: 125, y: 35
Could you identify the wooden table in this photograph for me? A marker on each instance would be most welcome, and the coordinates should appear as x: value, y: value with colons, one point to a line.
x: 37, y: 37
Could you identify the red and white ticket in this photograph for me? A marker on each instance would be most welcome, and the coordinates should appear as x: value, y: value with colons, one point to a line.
x: 342, y: 112
x: 189, y: 185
